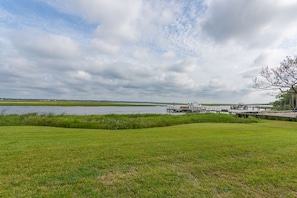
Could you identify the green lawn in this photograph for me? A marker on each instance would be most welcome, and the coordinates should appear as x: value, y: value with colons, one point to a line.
x: 194, y: 160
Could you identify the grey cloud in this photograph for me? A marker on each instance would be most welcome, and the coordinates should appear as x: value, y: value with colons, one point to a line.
x: 125, y: 71
x: 17, y: 67
x: 183, y: 66
x: 260, y: 60
x: 253, y: 22
x: 111, y: 80
x: 120, y: 78
x: 28, y: 87
x: 250, y: 73
x: 224, y: 95
x: 116, y: 73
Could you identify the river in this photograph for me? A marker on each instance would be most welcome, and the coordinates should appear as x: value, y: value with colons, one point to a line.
x: 98, y: 110
x: 79, y: 110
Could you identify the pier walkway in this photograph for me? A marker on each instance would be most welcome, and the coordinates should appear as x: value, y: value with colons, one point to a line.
x: 284, y: 115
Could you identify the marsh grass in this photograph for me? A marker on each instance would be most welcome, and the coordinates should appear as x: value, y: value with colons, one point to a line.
x: 193, y: 160
x: 114, y: 121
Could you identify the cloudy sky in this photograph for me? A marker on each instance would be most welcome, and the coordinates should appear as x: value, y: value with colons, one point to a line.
x: 207, y: 51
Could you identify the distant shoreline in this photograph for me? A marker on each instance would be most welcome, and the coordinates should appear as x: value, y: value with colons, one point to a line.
x: 70, y: 103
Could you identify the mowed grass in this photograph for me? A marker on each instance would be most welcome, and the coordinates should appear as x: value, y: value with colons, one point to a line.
x: 194, y: 160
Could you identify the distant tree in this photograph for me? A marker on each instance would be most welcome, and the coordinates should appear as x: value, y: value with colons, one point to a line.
x: 282, y: 78
x: 282, y: 102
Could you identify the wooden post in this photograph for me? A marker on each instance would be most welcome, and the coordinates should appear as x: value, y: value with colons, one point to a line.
x: 296, y: 101
x: 293, y: 101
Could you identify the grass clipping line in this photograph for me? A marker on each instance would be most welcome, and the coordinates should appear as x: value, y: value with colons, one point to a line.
x: 115, y: 122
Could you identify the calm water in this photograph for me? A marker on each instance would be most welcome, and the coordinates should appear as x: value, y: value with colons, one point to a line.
x: 7, y: 110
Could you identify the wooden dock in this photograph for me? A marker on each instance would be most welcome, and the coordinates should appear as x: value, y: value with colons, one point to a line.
x: 197, y: 108
x: 286, y: 116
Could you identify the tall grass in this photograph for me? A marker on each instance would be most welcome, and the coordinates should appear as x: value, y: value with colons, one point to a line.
x: 114, y: 121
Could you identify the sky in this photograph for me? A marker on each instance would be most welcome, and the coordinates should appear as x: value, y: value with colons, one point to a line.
x: 207, y: 51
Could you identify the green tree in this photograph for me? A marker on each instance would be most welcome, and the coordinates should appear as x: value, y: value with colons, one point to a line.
x: 282, y: 102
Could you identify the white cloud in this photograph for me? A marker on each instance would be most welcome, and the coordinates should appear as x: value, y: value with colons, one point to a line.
x: 81, y: 75
x: 141, y: 54
x: 206, y: 51
x: 115, y: 18
x: 103, y: 46
x: 41, y: 44
x: 169, y: 54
